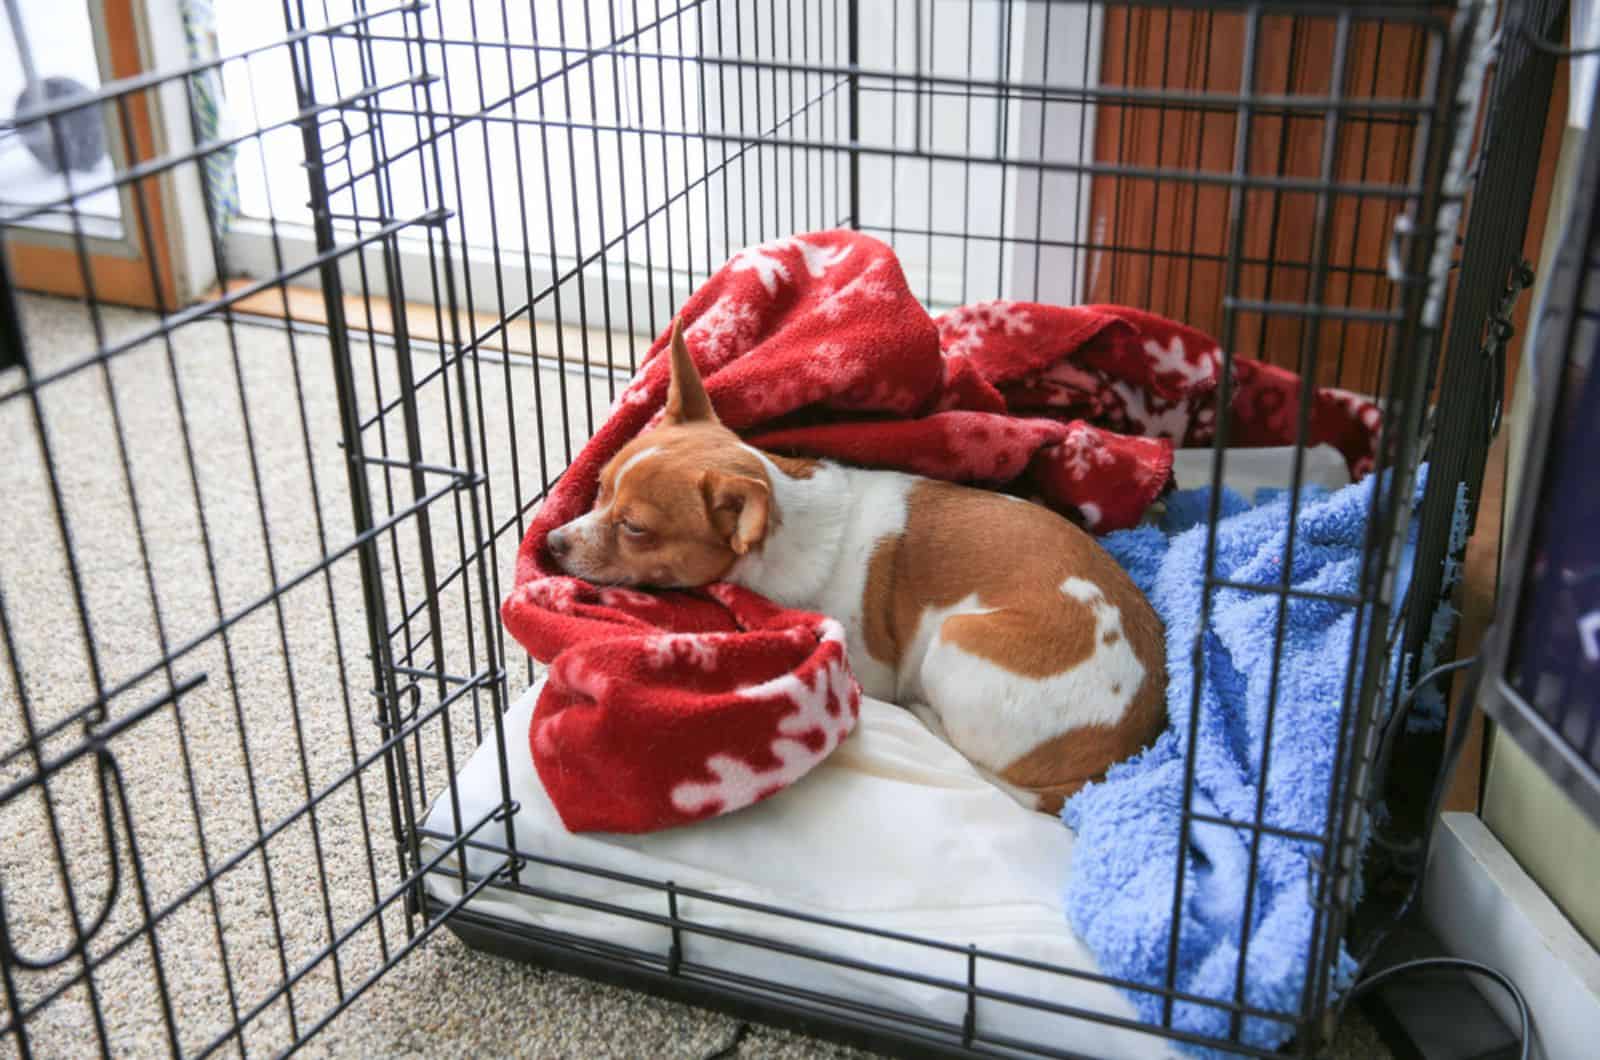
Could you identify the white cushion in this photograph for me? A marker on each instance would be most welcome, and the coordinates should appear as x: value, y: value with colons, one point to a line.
x: 1247, y: 470
x: 894, y: 831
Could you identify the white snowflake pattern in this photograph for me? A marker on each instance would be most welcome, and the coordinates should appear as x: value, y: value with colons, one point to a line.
x: 698, y: 650
x: 1143, y: 411
x: 636, y: 392
x: 1173, y: 359
x: 850, y: 377
x: 763, y: 260
x: 544, y: 735
x: 574, y: 673
x: 964, y: 331
x: 1091, y: 514
x: 831, y: 355
x: 625, y: 598
x: 880, y: 394
x: 552, y: 594
x: 864, y: 289
x: 820, y: 259
x: 724, y: 332
x: 1364, y: 409
x: 1083, y: 449
x: 739, y: 784
x: 725, y: 594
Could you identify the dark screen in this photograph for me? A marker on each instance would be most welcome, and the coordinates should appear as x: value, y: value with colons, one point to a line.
x: 1555, y: 650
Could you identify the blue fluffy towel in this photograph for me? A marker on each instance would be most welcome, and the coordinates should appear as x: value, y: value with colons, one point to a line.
x: 1119, y: 892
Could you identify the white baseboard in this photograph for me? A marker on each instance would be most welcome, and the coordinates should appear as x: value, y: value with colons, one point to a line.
x: 1483, y: 907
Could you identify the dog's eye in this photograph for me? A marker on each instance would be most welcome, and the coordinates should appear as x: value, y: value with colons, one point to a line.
x: 632, y: 529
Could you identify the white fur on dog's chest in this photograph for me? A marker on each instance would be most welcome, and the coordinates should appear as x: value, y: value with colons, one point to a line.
x: 818, y: 556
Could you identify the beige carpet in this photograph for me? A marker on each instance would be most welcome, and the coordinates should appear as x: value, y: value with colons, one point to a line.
x: 270, y: 727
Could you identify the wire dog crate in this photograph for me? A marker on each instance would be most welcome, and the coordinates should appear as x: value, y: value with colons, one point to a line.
x: 255, y: 543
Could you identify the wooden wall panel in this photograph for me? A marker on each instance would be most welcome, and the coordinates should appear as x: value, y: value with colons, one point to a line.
x: 1171, y: 236
x: 1163, y: 244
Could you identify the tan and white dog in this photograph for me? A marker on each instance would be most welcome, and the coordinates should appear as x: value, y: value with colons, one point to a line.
x: 1003, y: 626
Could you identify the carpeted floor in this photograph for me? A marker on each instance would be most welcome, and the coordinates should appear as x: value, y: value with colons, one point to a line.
x: 194, y: 477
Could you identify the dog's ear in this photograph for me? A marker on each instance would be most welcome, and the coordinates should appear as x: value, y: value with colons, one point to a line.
x: 686, y: 395
x: 738, y: 506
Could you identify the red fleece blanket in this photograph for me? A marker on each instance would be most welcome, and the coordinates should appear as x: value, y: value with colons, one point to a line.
x: 666, y: 707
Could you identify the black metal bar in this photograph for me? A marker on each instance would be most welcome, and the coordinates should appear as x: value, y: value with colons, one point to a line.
x: 368, y: 561
x: 325, y: 259
x: 923, y: 83
x: 1257, y: 827
x: 1308, y: 372
x: 675, y: 952
x: 1440, y: 162
x: 458, y: 122
x: 99, y: 737
x: 853, y: 17
x: 419, y: 467
x: 164, y: 164
x: 1501, y: 203
x: 13, y: 351
x: 124, y: 87
x: 954, y: 986
x: 1153, y: 174
x: 1287, y: 592
x: 969, y: 1021
x: 1241, y: 155
x: 301, y: 972
x: 475, y: 505
x: 1311, y: 311
x: 229, y: 620
x: 781, y: 913
x: 432, y: 675
x: 239, y: 857
x: 1187, y: 255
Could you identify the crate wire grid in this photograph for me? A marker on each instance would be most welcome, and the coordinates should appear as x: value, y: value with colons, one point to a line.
x: 422, y: 486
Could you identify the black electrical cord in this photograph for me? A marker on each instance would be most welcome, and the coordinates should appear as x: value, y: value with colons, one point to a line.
x: 732, y: 1046
x: 1455, y: 742
x: 1395, y: 724
x: 1539, y: 44
x: 1525, y: 1031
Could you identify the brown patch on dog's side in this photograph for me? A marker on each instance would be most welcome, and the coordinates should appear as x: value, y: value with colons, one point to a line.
x: 878, y: 625
x: 1013, y: 558
x: 1056, y: 769
x: 800, y: 467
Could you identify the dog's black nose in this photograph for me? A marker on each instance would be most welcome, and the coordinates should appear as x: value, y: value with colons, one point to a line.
x: 557, y: 543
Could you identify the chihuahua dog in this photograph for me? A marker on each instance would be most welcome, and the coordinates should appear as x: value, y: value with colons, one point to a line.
x: 1004, y: 627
